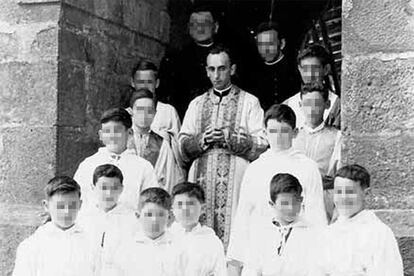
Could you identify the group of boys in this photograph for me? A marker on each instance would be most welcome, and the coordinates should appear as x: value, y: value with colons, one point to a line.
x: 129, y: 209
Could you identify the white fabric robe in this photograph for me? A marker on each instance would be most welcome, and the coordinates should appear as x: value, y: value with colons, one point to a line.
x: 322, y: 145
x: 166, y: 119
x: 218, y: 169
x: 138, y: 175
x: 254, y: 195
x: 51, y: 251
x: 362, y: 246
x: 203, y: 251
x: 293, y: 102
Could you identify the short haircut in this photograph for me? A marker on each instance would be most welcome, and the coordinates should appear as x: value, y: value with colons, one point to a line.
x: 107, y: 170
x: 61, y: 185
x: 142, y: 93
x: 220, y: 48
x: 199, y: 7
x: 190, y: 189
x: 281, y: 113
x: 355, y: 173
x: 155, y: 195
x: 284, y: 183
x: 119, y: 115
x: 315, y: 86
x: 314, y: 51
x: 144, y: 65
x: 269, y: 26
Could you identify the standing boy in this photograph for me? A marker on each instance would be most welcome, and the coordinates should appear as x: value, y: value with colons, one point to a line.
x: 138, y: 173
x: 59, y: 247
x: 360, y: 243
x: 203, y: 251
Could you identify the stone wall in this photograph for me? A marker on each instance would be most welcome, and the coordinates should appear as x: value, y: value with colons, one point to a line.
x: 61, y: 64
x: 378, y: 108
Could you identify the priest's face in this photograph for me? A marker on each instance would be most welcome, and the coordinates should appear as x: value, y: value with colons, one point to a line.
x: 202, y: 27
x: 313, y: 106
x: 143, y: 113
x: 186, y: 210
x: 286, y: 207
x: 280, y: 134
x: 269, y: 45
x: 153, y: 219
x: 146, y: 79
x: 107, y: 191
x: 63, y: 208
x: 219, y: 70
x: 348, y: 196
x: 311, y: 69
x: 114, y: 135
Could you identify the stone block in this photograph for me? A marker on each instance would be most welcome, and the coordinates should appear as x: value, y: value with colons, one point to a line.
x: 373, y: 26
x: 45, y: 44
x: 400, y: 221
x: 389, y: 161
x: 8, y: 44
x: 13, y: 12
x: 73, y: 45
x: 378, y: 96
x: 28, y: 93
x: 27, y: 162
x: 406, y: 245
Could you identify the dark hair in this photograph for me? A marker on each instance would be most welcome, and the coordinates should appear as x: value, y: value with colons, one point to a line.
x: 220, y: 48
x: 355, y: 173
x: 142, y: 93
x: 200, y: 7
x: 107, y: 170
x: 144, y: 65
x: 190, y: 189
x: 62, y: 185
x: 269, y: 26
x: 284, y: 183
x: 314, y: 51
x: 117, y: 115
x: 281, y: 113
x: 315, y: 86
x: 155, y: 195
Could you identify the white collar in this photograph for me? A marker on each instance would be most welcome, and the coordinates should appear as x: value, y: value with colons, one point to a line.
x: 276, y: 61
x: 205, y: 45
x: 165, y: 238
x: 51, y: 228
x: 180, y: 229
x: 314, y: 130
x: 228, y: 88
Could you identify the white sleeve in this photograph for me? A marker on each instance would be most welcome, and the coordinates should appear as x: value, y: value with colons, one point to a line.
x: 24, y: 264
x: 335, y: 162
x: 220, y: 268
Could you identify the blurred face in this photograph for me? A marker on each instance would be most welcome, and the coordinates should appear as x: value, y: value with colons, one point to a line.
x: 219, y: 70
x: 63, y: 209
x: 143, y: 113
x: 280, y: 134
x: 145, y: 79
x: 313, y: 107
x: 114, y: 135
x: 269, y: 45
x: 186, y: 210
x: 311, y: 69
x: 202, y: 27
x: 287, y: 207
x: 153, y: 219
x: 348, y: 196
x: 107, y: 191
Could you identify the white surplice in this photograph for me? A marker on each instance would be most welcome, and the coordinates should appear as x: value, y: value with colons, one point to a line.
x: 219, y: 169
x: 362, y: 246
x: 140, y: 255
x: 202, y: 251
x: 287, y: 250
x: 166, y: 119
x: 51, y: 251
x: 321, y: 144
x: 138, y: 175
x: 255, y: 196
x: 293, y: 102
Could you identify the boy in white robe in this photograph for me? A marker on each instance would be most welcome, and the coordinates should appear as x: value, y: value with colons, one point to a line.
x: 106, y: 221
x: 138, y: 173
x: 320, y: 142
x: 283, y: 244
x: 59, y: 247
x: 280, y: 125
x: 145, y: 75
x: 150, y: 250
x: 313, y: 65
x: 359, y: 242
x: 203, y: 251
x: 155, y: 147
